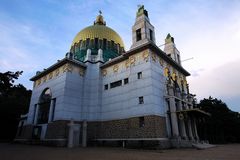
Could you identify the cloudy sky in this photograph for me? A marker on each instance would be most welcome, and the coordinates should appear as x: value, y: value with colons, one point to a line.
x: 35, y: 34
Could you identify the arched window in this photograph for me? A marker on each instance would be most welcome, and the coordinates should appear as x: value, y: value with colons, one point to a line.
x: 44, y: 106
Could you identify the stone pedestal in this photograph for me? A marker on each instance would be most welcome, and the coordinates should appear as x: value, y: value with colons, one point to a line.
x: 73, y: 134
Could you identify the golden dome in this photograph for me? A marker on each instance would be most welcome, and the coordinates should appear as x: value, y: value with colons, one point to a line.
x: 98, y: 30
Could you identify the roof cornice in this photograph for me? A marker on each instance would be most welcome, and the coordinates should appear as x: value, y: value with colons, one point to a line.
x: 57, y: 65
x: 154, y: 48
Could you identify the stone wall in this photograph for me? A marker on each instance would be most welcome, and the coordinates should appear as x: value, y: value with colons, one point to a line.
x: 57, y: 129
x: 26, y: 132
x: 154, y: 127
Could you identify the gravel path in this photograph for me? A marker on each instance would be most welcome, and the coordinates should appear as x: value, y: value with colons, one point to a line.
x: 32, y: 152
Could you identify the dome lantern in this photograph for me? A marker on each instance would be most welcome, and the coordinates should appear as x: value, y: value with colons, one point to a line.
x: 99, y: 19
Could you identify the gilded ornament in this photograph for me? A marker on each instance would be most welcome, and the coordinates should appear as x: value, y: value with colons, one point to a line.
x: 180, y: 116
x: 166, y: 72
x: 57, y: 72
x: 104, y: 72
x: 50, y: 75
x: 115, y: 68
x: 145, y: 55
x: 174, y: 76
x: 127, y: 63
x: 67, y: 68
x: 161, y: 61
x: 81, y: 72
x: 154, y: 57
x: 38, y: 82
x: 44, y: 79
x: 132, y: 59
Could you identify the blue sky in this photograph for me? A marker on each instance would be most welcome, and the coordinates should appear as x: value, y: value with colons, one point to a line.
x: 35, y: 34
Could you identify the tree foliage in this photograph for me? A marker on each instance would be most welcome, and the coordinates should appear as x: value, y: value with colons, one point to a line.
x: 14, y: 101
x: 222, y: 126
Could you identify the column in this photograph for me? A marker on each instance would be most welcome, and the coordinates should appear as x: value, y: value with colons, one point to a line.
x: 195, y: 129
x: 182, y: 124
x: 173, y: 113
x: 190, y: 129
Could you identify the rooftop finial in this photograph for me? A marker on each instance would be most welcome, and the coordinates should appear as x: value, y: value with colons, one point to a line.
x: 99, y: 20
x: 141, y: 10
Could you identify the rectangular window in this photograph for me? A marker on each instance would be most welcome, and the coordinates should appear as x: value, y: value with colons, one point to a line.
x: 139, y: 75
x: 104, y: 43
x: 178, y: 58
x: 141, y: 122
x: 126, y: 81
x: 106, y: 87
x: 96, y: 43
x: 87, y: 43
x: 115, y: 84
x: 53, y: 109
x: 34, y: 113
x: 141, y: 100
x: 151, y: 34
x: 138, y: 34
x: 112, y: 44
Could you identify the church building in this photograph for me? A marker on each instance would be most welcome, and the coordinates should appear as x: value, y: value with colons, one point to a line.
x: 101, y: 94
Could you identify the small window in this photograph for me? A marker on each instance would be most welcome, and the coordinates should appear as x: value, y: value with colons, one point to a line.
x: 141, y: 122
x: 138, y: 34
x: 151, y: 34
x: 126, y: 81
x: 53, y: 109
x: 115, y: 84
x: 178, y: 58
x: 141, y: 100
x: 106, y: 87
x: 139, y: 75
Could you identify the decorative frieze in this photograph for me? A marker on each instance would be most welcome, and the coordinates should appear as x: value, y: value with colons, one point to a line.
x: 65, y: 68
x: 145, y: 55
x: 127, y: 63
x: 132, y: 60
x: 154, y: 57
x: 81, y: 72
x: 104, y: 72
x: 115, y: 68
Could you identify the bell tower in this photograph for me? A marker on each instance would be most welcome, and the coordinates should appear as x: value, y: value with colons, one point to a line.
x: 142, y: 30
x: 171, y: 50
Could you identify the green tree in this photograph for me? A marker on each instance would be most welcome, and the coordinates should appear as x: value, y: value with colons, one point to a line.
x: 14, y: 101
x: 222, y: 126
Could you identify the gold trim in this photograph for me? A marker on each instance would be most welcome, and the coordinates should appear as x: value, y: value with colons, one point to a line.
x: 132, y: 59
x: 145, y: 55
x: 115, y: 68
x: 104, y: 72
